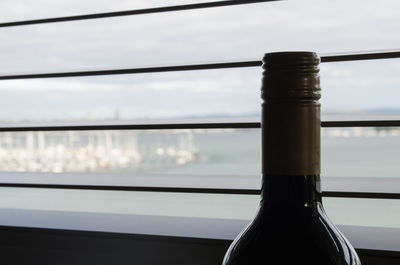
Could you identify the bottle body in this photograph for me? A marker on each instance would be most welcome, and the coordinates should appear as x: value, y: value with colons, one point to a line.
x: 291, y: 226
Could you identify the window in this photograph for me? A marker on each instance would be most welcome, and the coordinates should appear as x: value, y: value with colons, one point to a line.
x: 138, y: 133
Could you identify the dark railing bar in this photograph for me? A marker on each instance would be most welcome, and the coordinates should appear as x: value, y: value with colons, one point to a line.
x: 361, y: 195
x: 358, y: 123
x: 158, y: 69
x: 131, y: 12
x: 132, y: 188
x: 210, y: 66
x: 388, y: 54
x: 174, y: 126
x: 238, y: 125
x: 339, y: 194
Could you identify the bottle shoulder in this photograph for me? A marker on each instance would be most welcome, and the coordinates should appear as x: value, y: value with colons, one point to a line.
x: 306, y: 236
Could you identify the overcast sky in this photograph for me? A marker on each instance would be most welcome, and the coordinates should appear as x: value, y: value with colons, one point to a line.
x: 236, y: 33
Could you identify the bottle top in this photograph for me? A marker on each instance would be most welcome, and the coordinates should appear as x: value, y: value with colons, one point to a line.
x: 291, y: 114
x: 291, y: 75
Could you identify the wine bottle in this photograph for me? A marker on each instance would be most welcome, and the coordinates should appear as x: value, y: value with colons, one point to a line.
x: 291, y: 226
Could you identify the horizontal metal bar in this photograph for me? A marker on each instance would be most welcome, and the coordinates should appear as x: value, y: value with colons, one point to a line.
x: 135, y: 179
x: 191, y: 181
x: 137, y: 70
x: 182, y: 126
x: 366, y: 123
x: 377, y: 55
x: 361, y: 195
x: 131, y: 188
x: 338, y: 194
x: 240, y: 125
x: 351, y: 187
x: 210, y: 66
x: 132, y: 12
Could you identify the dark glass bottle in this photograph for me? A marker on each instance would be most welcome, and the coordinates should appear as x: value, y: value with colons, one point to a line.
x: 291, y: 226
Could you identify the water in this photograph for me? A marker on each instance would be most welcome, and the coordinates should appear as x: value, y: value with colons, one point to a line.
x: 235, y: 152
x: 238, y: 152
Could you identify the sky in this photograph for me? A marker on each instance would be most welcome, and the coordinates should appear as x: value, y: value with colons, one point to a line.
x: 237, y: 33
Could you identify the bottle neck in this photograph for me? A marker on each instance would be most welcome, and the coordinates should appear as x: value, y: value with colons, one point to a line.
x: 291, y: 129
x: 291, y: 191
x: 291, y: 137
